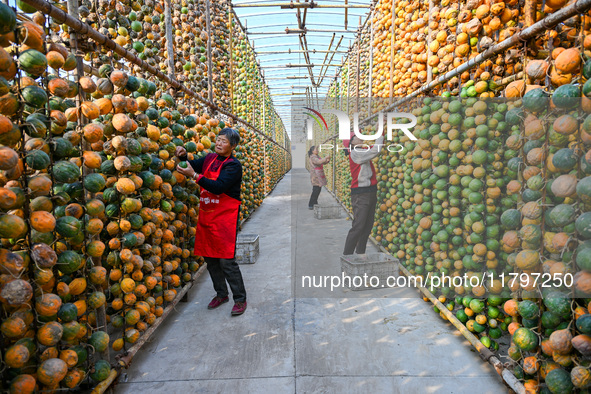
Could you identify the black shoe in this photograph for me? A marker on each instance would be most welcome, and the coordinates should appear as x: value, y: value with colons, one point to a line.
x: 310, y: 208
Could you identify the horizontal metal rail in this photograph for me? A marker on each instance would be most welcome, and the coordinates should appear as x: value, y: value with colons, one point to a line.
x: 282, y: 78
x: 288, y: 94
x: 285, y: 58
x: 324, y: 1
x: 309, y: 5
x: 299, y: 31
x: 304, y: 65
x: 283, y: 36
x: 291, y: 23
x: 266, y: 14
x: 296, y: 52
x: 292, y: 44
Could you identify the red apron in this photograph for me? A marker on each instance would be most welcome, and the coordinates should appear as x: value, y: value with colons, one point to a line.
x: 215, y: 234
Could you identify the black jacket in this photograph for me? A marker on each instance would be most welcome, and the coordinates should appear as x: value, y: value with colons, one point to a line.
x: 228, y: 181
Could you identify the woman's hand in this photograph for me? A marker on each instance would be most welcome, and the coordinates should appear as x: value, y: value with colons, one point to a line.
x: 188, y: 172
x: 180, y: 151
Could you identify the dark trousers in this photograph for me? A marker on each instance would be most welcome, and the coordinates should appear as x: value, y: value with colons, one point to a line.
x: 222, y: 270
x: 364, y: 209
x: 314, y: 197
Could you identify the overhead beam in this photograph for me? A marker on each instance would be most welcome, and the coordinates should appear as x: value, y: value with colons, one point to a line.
x: 289, y: 94
x: 289, y: 51
x: 291, y: 24
x: 290, y: 65
x: 288, y: 89
x: 292, y: 44
x: 316, y: 13
x: 326, y: 58
x: 309, y: 5
x: 299, y: 31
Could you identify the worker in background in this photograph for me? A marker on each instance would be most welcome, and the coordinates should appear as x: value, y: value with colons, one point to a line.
x: 220, y: 175
x: 317, y: 176
x: 364, y: 192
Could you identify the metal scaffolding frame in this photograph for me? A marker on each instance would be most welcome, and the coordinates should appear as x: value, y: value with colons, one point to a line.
x: 260, y: 53
x: 316, y: 61
x: 298, y: 5
x: 299, y: 31
x: 305, y: 65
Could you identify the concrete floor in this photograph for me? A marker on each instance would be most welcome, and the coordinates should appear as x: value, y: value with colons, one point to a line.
x: 375, y: 341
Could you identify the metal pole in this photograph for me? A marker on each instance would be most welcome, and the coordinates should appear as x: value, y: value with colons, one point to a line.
x: 236, y: 18
x: 299, y: 5
x: 169, y: 42
x: 284, y: 78
x: 298, y: 31
x: 346, y: 12
x: 369, y: 88
x: 334, y: 167
x: 325, y: 59
x: 304, y: 47
x: 287, y: 25
x: 265, y: 167
x: 254, y: 104
x: 429, y: 53
x: 299, y: 17
x: 358, y: 68
x: 73, y: 11
x: 317, y: 99
x: 101, y: 315
x: 296, y: 51
x: 330, y: 61
x: 312, y: 65
x: 338, y: 84
x: 209, y: 61
x: 231, y: 60
x: 348, y: 81
x: 392, y: 50
x: 305, y: 14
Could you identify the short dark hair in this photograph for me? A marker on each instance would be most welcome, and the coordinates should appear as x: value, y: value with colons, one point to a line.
x: 311, y: 150
x: 232, y: 135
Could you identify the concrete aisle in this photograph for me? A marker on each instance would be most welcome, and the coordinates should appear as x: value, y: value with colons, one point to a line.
x: 346, y: 342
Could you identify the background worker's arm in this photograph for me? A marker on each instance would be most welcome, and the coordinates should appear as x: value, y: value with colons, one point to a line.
x: 362, y: 154
x: 317, y: 161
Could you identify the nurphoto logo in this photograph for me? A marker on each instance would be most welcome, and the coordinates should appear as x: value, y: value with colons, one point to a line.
x: 345, y: 124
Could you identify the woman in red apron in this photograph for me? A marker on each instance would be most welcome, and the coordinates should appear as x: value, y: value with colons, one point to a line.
x: 219, y: 175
